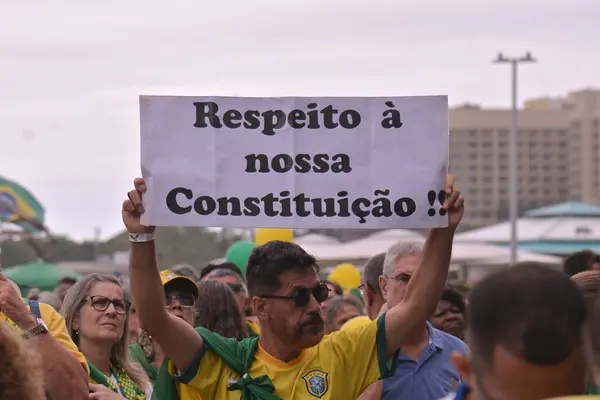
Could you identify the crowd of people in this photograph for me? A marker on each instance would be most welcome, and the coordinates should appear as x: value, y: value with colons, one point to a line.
x: 278, y: 332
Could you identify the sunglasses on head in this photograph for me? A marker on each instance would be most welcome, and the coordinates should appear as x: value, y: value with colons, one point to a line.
x: 185, y: 300
x: 101, y: 303
x: 301, y: 296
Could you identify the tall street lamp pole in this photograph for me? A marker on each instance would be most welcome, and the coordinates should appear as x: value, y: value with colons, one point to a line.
x: 513, y: 195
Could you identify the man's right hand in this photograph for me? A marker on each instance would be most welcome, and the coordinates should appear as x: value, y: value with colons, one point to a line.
x: 133, y: 209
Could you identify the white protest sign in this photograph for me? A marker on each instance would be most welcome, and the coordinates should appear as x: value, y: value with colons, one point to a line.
x: 294, y: 162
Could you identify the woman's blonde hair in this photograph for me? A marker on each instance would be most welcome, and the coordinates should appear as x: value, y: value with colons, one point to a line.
x: 20, y: 373
x: 119, y: 355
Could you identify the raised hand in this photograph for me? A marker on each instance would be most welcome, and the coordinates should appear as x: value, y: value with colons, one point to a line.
x: 133, y: 209
x: 454, y: 204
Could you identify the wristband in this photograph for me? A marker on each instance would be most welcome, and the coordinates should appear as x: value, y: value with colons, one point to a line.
x: 141, y: 237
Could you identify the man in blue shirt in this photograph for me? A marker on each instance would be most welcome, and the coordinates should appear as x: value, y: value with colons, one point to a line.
x: 424, y: 368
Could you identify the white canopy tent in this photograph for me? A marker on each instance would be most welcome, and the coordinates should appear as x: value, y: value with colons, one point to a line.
x: 463, y: 253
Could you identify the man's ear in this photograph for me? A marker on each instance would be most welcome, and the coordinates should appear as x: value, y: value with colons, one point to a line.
x: 383, y: 286
x: 260, y: 307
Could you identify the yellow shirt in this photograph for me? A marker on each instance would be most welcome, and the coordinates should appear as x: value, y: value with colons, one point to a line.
x: 341, y: 366
x: 58, y: 329
x: 253, y: 327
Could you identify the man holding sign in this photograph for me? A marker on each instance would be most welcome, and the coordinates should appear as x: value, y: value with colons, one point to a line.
x: 292, y: 359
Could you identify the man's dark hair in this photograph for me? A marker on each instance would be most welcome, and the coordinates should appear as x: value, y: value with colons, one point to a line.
x: 69, y: 280
x: 372, y: 271
x: 453, y: 297
x: 226, y: 265
x: 337, y: 289
x: 532, y: 311
x: 269, y: 261
x: 579, y: 261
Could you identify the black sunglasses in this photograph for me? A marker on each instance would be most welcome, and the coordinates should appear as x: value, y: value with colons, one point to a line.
x: 301, y: 296
x: 185, y: 300
x: 236, y: 287
x: 101, y: 303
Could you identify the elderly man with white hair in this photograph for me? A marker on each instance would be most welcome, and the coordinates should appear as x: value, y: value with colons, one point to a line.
x: 424, y: 368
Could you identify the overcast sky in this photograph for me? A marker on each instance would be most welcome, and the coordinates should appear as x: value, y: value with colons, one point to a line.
x: 71, y: 71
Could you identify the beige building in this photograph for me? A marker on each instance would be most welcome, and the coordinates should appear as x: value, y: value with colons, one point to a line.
x: 559, y: 154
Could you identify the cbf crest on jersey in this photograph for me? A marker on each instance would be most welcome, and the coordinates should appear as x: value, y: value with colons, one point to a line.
x: 316, y: 383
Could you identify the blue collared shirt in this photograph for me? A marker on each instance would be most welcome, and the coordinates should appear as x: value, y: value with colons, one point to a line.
x: 432, y: 377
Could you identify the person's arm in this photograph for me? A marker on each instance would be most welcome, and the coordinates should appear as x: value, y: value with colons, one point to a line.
x: 427, y: 283
x: 179, y: 341
x: 373, y: 392
x: 64, y: 377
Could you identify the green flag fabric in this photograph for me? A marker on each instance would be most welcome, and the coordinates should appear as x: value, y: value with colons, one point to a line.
x: 238, y: 355
x: 19, y: 206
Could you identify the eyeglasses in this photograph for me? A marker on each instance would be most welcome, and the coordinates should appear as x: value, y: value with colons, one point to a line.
x: 301, y: 296
x: 400, y: 278
x: 185, y: 300
x: 101, y: 303
x: 236, y: 287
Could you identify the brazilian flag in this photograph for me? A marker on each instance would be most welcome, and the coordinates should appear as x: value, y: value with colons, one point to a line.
x: 20, y: 207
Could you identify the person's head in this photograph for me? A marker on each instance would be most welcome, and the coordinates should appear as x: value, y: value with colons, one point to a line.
x: 96, y: 312
x: 340, y: 310
x: 588, y: 283
x: 20, y: 369
x: 63, y: 285
x: 181, y: 294
x: 224, y: 265
x: 334, y: 291
x: 219, y: 310
x: 371, y: 291
x: 580, y: 261
x: 286, y: 293
x: 51, y: 299
x: 524, y: 331
x: 33, y: 294
x: 449, y: 315
x: 400, y: 263
x: 186, y: 270
x: 228, y: 275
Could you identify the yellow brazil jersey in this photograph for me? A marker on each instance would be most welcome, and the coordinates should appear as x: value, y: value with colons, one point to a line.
x: 341, y: 366
x: 253, y: 328
x: 188, y: 393
x: 58, y: 329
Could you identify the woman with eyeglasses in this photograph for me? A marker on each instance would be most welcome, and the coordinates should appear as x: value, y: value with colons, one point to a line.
x: 96, y: 313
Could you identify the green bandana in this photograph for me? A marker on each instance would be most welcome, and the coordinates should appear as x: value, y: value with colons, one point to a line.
x: 136, y: 353
x: 129, y: 389
x: 238, y: 355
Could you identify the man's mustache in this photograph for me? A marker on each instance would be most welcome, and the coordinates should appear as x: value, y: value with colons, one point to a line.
x: 313, y: 319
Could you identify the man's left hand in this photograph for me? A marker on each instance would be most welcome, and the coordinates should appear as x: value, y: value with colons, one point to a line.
x: 12, y: 305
